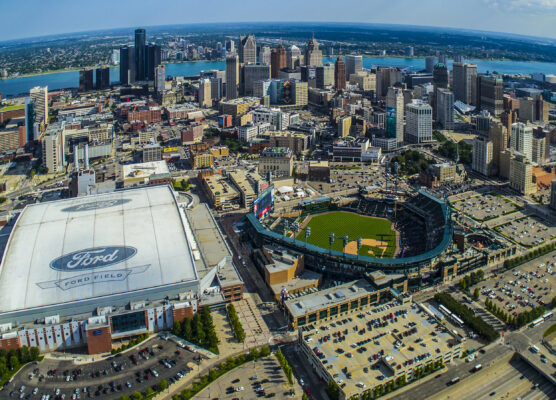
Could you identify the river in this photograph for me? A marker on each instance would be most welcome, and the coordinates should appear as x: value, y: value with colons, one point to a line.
x: 69, y: 79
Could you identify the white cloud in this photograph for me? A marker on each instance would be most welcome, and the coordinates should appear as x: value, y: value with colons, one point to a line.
x: 532, y: 6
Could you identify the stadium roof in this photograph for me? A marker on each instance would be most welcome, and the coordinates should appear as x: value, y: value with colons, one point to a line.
x: 93, y: 247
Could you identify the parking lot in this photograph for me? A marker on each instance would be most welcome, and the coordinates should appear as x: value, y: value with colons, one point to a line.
x: 126, y: 373
x: 263, y: 378
x: 524, y: 287
x: 529, y: 231
x: 484, y: 207
x: 369, y: 348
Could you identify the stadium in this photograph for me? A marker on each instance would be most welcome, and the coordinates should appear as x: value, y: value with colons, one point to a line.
x: 81, y: 272
x: 395, y: 236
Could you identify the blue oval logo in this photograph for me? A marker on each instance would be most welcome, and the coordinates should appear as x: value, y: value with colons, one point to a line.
x: 96, y: 257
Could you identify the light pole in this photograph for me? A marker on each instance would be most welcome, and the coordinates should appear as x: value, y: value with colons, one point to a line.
x: 331, y: 238
x: 307, y: 234
x: 286, y: 227
x: 359, y: 244
x: 346, y: 241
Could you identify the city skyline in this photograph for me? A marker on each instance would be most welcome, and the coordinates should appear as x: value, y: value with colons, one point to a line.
x: 531, y: 17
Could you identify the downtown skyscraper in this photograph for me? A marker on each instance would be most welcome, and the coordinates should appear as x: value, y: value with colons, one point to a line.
x: 139, y: 62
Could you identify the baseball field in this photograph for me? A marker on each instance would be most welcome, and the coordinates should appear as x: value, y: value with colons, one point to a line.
x: 377, y: 234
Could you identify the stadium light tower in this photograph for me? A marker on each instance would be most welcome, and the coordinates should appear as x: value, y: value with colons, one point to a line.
x: 307, y: 234
x: 359, y: 244
x: 331, y: 238
x: 346, y: 241
x: 286, y: 227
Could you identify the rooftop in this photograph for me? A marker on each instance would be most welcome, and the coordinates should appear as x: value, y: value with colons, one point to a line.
x: 144, y: 170
x: 60, y: 251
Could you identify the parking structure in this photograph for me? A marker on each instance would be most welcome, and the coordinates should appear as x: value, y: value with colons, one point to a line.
x: 373, y: 347
x: 124, y: 373
x: 523, y: 288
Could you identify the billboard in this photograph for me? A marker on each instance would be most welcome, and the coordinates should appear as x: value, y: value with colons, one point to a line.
x: 264, y: 203
x: 391, y: 121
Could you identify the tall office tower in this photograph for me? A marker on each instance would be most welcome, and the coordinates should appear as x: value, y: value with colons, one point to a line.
x: 153, y: 56
x: 458, y: 58
x: 409, y: 51
x: 418, y: 122
x: 541, y: 147
x: 482, y: 161
x: 293, y: 56
x: 325, y: 76
x: 115, y: 57
x: 464, y: 82
x: 445, y: 108
x: 277, y: 60
x: 386, y: 77
x: 313, y: 56
x: 232, y: 76
x: 264, y: 55
x: 490, y: 92
x: 53, y: 150
x: 533, y: 109
x: 39, y: 94
x: 442, y: 59
x: 85, y: 80
x: 440, y: 76
x: 127, y: 65
x: 140, y: 44
x: 247, y: 50
x: 521, y: 174
x: 159, y: 79
x: 253, y: 73
x: 498, y: 135
x: 339, y: 74
x: 230, y: 46
x: 205, y: 93
x: 299, y: 92
x: 521, y: 139
x: 430, y: 62
x: 103, y: 78
x: 508, y: 118
x: 29, y: 119
x: 354, y: 64
x: 395, y: 113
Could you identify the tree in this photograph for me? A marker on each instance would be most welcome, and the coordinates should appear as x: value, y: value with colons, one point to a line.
x: 14, y: 363
x: 149, y: 392
x: 124, y: 397
x: 304, y: 397
x: 265, y: 351
x: 476, y: 294
x: 137, y: 396
x: 163, y: 384
x: 463, y: 284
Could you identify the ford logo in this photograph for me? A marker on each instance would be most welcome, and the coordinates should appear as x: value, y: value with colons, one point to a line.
x: 96, y: 205
x: 96, y: 257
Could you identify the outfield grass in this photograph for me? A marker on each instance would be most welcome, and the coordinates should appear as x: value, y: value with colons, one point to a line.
x: 354, y: 225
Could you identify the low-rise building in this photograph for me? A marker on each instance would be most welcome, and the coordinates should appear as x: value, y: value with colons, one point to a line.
x: 147, y: 173
x: 222, y: 195
x: 152, y: 152
x: 350, y: 149
x: 203, y: 160
x: 296, y: 142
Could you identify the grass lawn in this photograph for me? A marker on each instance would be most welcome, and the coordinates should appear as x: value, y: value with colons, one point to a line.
x: 354, y: 225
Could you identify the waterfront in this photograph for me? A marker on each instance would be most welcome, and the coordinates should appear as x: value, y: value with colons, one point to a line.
x: 69, y: 79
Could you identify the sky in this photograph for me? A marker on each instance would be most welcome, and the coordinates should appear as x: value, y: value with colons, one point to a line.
x: 30, y: 18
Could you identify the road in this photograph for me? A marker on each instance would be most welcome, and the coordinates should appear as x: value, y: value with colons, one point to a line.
x: 462, y: 370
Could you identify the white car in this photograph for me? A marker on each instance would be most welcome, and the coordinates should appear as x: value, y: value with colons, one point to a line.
x: 240, y: 388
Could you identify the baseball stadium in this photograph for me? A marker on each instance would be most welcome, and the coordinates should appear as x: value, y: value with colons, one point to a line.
x: 390, y: 234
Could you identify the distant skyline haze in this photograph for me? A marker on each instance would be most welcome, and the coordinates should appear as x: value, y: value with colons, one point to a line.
x: 32, y: 18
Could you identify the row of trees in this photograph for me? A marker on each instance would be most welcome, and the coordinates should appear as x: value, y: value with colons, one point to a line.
x: 517, y: 261
x: 285, y: 366
x: 521, y: 319
x: 472, y: 279
x: 452, y: 150
x: 461, y: 310
x: 135, y: 341
x: 410, y: 162
x: 236, y: 324
x: 215, y: 373
x: 198, y: 330
x: 393, y: 384
x: 11, y: 361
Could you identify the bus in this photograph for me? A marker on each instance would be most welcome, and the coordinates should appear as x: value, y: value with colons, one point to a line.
x: 537, y: 322
x: 458, y: 321
x: 445, y: 310
x: 547, y: 315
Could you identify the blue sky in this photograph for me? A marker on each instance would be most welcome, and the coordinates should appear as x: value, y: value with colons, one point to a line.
x: 27, y: 18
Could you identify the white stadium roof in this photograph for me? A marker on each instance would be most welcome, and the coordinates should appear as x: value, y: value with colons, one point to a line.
x: 92, y: 247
